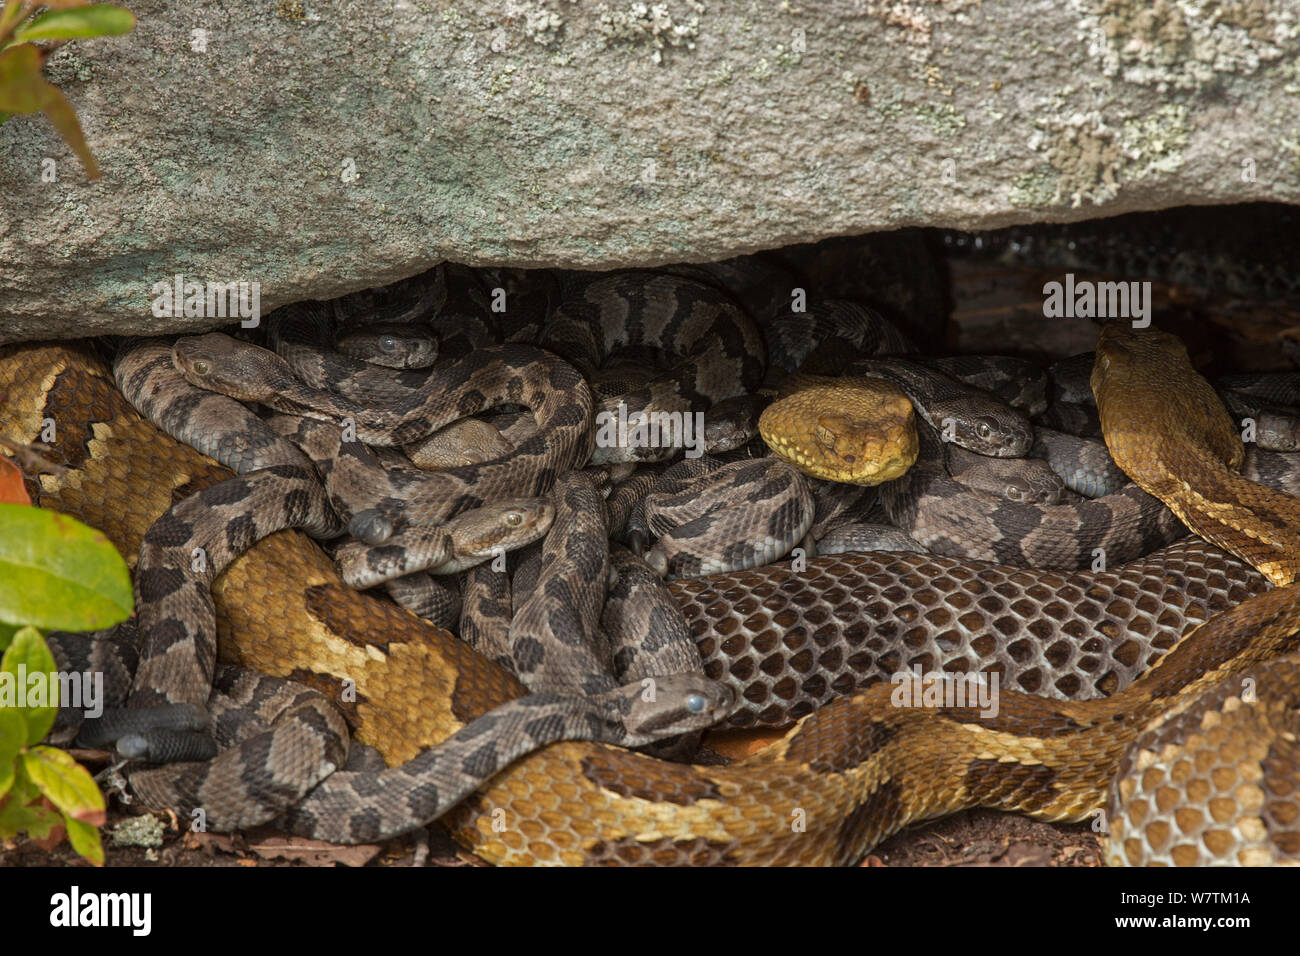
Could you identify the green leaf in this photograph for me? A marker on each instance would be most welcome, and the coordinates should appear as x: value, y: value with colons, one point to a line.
x: 22, y: 87
x: 66, y: 783
x: 10, y: 16
x: 57, y: 573
x: 13, y: 736
x: 18, y: 812
x: 29, y: 655
x: 85, y: 840
x: 94, y: 20
x: 60, y: 112
x: 35, y: 819
x: 7, y: 632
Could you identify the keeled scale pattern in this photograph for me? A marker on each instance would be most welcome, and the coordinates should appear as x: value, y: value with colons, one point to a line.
x: 1216, y: 784
x: 788, y: 642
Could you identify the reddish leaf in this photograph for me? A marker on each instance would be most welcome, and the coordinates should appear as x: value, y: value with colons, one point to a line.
x: 43, y: 823
x: 57, y: 833
x: 12, y: 490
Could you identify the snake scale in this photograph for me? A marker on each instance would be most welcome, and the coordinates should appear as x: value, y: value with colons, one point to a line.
x: 850, y: 770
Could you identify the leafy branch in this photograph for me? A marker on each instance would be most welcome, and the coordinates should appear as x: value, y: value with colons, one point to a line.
x: 55, y: 572
x: 29, y: 33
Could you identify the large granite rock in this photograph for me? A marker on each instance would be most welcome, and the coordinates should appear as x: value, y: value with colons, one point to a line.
x: 319, y: 147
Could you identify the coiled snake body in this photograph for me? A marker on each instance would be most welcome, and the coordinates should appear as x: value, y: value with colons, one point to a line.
x: 850, y: 774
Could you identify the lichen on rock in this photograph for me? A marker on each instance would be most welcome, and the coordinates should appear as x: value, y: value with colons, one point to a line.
x: 652, y: 24
x: 1187, y: 44
x: 320, y: 148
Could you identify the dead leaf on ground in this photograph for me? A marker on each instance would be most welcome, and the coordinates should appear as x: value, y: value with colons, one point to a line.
x: 211, y: 843
x: 313, y: 852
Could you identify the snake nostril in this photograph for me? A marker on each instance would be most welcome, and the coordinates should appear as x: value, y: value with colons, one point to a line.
x: 850, y: 459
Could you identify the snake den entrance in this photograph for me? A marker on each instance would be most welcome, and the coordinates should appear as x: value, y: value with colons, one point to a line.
x: 767, y: 560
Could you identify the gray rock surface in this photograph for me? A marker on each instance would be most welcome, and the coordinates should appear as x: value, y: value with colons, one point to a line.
x: 319, y: 147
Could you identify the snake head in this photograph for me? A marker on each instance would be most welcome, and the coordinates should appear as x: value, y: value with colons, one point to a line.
x: 1035, y: 484
x: 846, y: 431
x: 661, y: 707
x: 220, y: 363
x: 990, y: 428
x: 1122, y: 349
x: 1017, y: 489
x: 731, y: 423
x: 1030, y: 489
x: 390, y: 345
x: 860, y: 445
x: 1045, y: 486
x: 500, y: 526
x: 466, y: 442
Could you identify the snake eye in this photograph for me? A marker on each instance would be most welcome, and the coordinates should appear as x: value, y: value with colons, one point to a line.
x: 387, y: 343
x: 514, y: 518
x: 984, y: 429
x: 1014, y: 492
x: 696, y: 703
x: 825, y: 437
x: 199, y: 366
